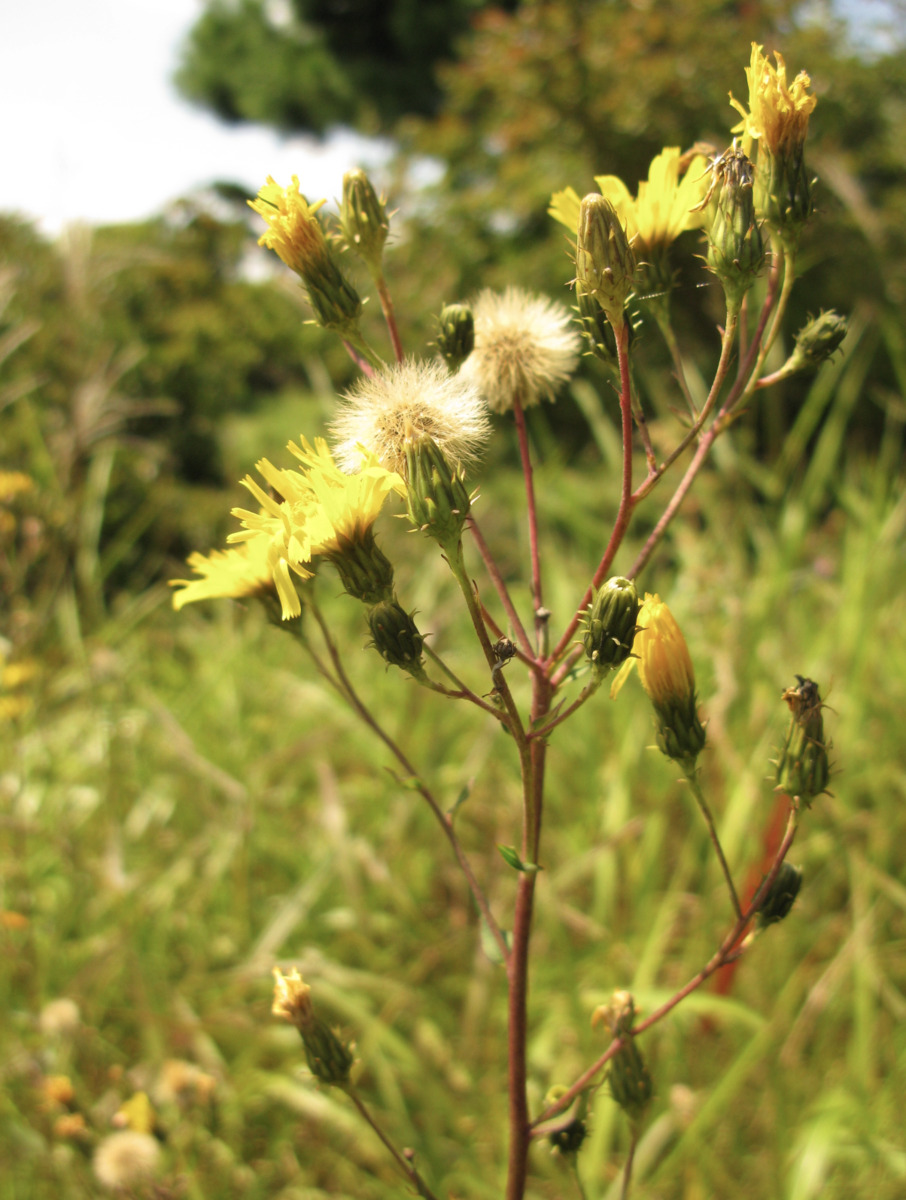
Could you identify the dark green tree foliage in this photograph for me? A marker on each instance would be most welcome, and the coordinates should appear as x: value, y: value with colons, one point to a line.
x: 310, y: 65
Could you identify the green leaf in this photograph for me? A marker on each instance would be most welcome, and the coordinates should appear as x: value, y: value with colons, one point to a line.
x: 512, y: 859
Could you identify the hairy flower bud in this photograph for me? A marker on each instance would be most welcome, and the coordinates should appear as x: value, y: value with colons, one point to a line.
x: 455, y: 335
x: 611, y: 624
x: 736, y: 252
x: 629, y: 1078
x: 329, y: 1059
x: 816, y: 342
x: 605, y: 263
x: 803, y: 768
x: 365, y: 571
x: 438, y: 501
x: 396, y: 636
x: 781, y: 895
x: 364, y: 220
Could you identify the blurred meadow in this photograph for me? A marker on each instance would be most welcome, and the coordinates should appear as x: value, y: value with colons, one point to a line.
x: 184, y: 805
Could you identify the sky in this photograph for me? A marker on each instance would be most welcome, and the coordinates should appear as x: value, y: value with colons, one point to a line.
x: 95, y: 131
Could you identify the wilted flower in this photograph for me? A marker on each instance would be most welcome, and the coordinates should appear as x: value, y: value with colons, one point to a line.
x: 777, y: 119
x: 524, y: 348
x: 126, y: 1159
x: 384, y: 413
x: 328, y: 1058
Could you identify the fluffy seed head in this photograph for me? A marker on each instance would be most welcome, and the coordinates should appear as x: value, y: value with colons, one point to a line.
x: 524, y: 348
x: 126, y: 1159
x: 397, y: 406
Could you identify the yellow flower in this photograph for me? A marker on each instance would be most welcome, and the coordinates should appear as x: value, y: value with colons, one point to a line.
x: 292, y: 998
x: 778, y: 112
x: 295, y: 234
x: 320, y: 510
x: 665, y: 670
x: 524, y: 348
x: 228, y: 574
x: 344, y: 506
x: 660, y: 212
x: 294, y: 231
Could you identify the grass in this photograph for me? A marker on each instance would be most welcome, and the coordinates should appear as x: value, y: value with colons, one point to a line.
x: 185, y: 806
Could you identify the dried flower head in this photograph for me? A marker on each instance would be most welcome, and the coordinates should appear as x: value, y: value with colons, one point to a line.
x: 397, y: 406
x: 524, y: 348
x: 125, y: 1159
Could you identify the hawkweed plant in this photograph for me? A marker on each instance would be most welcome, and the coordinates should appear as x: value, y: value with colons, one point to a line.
x: 409, y: 435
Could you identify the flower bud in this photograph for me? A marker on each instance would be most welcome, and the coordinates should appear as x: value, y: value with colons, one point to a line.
x: 736, y: 252
x: 605, y: 263
x: 596, y: 329
x: 629, y: 1078
x: 438, y: 500
x: 781, y: 895
x: 295, y: 234
x: 815, y: 342
x: 455, y: 335
x: 803, y: 769
x: 328, y: 1058
x: 611, y: 624
x: 364, y: 219
x: 396, y: 637
x: 365, y: 571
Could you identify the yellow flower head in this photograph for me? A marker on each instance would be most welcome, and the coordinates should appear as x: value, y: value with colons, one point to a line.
x: 660, y: 212
x: 661, y: 654
x: 293, y: 229
x: 778, y: 112
x: 317, y: 510
x: 344, y: 506
x: 233, y: 573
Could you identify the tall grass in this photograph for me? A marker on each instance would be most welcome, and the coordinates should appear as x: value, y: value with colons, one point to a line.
x: 186, y: 806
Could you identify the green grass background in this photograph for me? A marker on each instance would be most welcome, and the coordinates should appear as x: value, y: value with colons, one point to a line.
x: 183, y: 806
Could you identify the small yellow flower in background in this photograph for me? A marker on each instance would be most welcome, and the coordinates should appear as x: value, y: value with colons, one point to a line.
x: 393, y: 408
x: 227, y: 574
x: 524, y: 348
x: 665, y: 669
x: 662, y: 209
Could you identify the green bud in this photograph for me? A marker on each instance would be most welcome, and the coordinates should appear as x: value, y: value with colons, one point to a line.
x: 783, y: 190
x: 364, y: 219
x: 438, y: 501
x: 396, y: 637
x: 328, y: 1058
x: 629, y: 1078
x: 781, y: 895
x: 364, y: 569
x: 803, y: 769
x: 680, y: 734
x: 605, y: 263
x: 597, y: 330
x: 455, y: 335
x: 816, y: 342
x: 336, y: 303
x: 736, y: 252
x: 611, y: 624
